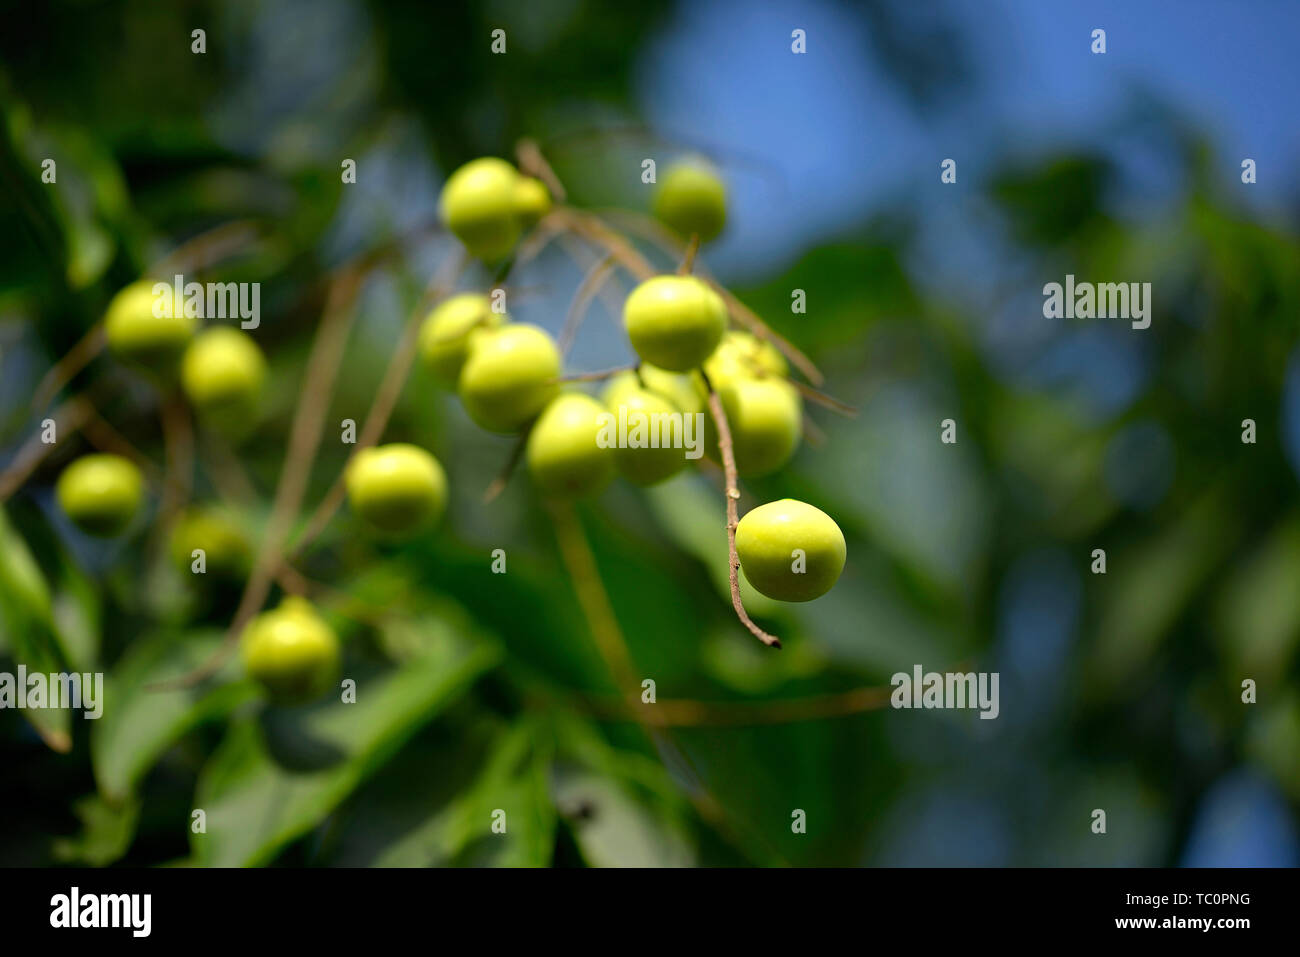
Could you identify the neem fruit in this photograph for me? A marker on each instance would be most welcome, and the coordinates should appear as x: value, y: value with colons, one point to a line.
x: 397, y: 488
x: 509, y: 376
x: 532, y: 200
x: 655, y: 449
x: 478, y: 204
x: 101, y: 493
x: 790, y: 550
x: 565, y: 456
x: 691, y: 199
x: 446, y: 333
x: 222, y: 373
x: 148, y: 330
x: 765, y: 417
x: 227, y: 552
x: 742, y: 355
x: 674, y: 322
x: 291, y: 651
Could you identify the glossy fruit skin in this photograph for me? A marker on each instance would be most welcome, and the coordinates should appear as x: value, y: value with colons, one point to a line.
x: 227, y: 552
x: 564, y: 457
x: 447, y: 331
x: 692, y: 199
x: 683, y: 390
x: 291, y: 652
x: 742, y: 355
x: 642, y: 466
x: 509, y: 376
x: 765, y: 417
x: 674, y: 322
x: 478, y: 205
x: 767, y: 537
x: 398, y: 488
x: 134, y: 334
x: 532, y: 200
x: 222, y: 373
x: 101, y: 493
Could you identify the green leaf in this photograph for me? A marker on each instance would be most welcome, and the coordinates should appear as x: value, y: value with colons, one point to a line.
x: 140, y: 723
x: 280, y: 772
x: 106, y: 833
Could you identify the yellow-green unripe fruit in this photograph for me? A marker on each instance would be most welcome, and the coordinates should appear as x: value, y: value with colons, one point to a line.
x: 790, y: 550
x: 674, y: 322
x: 478, y: 205
x: 509, y: 376
x: 148, y: 330
x: 765, y: 417
x: 101, y: 493
x: 691, y: 199
x: 291, y: 652
x: 680, y: 389
x: 222, y: 373
x: 446, y: 333
x: 397, y: 488
x: 227, y: 552
x: 565, y: 454
x: 532, y: 200
x: 647, y: 414
x: 741, y: 355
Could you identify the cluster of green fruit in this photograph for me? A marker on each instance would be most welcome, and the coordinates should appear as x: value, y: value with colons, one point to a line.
x: 508, y: 376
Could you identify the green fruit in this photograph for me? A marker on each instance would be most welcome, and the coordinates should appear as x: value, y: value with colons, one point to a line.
x: 565, y: 455
x: 674, y: 322
x: 222, y: 373
x: 397, y: 488
x: 291, y: 651
x: 645, y: 410
x: 741, y: 355
x: 227, y: 552
x: 691, y: 199
x: 677, y: 388
x: 509, y: 376
x: 532, y: 200
x: 769, y: 540
x: 766, y: 421
x: 478, y: 205
x: 101, y: 493
x: 446, y: 334
x: 148, y: 330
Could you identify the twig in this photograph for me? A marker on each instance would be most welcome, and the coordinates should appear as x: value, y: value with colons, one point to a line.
x: 304, y: 440
x: 595, y: 376
x: 822, y: 399
x: 498, y: 484
x: 65, y: 370
x: 586, y: 291
x: 733, y: 496
x: 532, y: 162
x: 208, y: 247
x: 687, y: 264
x: 68, y: 418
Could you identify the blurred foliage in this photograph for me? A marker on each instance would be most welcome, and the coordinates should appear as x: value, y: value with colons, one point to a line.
x: 479, y: 693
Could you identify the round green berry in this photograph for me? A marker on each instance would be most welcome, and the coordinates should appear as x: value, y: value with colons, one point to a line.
x: 222, y: 373
x: 446, y: 333
x: 790, y: 550
x: 691, y: 199
x: 101, y: 493
x: 680, y: 389
x: 397, y: 488
x: 532, y: 200
x: 566, y: 454
x: 649, y: 415
x: 144, y: 326
x: 227, y: 552
x: 478, y: 205
x: 509, y: 376
x: 674, y: 322
x: 291, y: 652
x: 742, y: 355
x: 765, y: 417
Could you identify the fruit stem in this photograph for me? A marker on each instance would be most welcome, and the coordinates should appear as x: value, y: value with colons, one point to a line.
x: 532, y: 161
x: 586, y: 292
x: 596, y: 376
x: 688, y: 257
x: 733, y: 518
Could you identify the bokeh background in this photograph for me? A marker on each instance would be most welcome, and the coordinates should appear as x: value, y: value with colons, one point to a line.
x: 1119, y: 691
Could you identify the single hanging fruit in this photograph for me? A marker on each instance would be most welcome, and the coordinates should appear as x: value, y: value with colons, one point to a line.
x: 790, y: 550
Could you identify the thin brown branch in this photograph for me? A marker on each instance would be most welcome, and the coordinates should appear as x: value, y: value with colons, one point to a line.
x: 733, y: 497
x: 596, y: 376
x: 598, y: 234
x: 68, y: 418
x: 532, y: 162
x: 498, y: 484
x: 687, y: 265
x: 822, y: 399
x: 74, y: 360
x: 586, y: 291
x: 206, y: 248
